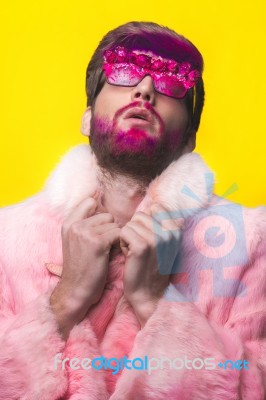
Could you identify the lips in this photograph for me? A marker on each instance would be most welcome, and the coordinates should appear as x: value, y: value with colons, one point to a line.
x: 139, y: 113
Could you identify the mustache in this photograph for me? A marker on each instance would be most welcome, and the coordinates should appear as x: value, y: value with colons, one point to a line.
x: 142, y: 104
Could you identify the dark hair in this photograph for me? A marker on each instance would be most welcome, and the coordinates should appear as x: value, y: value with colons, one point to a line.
x: 160, y: 40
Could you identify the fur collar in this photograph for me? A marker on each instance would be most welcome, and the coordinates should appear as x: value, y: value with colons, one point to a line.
x: 185, y: 185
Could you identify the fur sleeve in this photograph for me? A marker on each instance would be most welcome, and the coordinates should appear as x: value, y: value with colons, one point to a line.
x: 29, y: 342
x: 178, y: 329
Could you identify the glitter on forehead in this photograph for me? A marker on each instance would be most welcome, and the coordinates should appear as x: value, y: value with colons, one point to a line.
x: 126, y: 67
x: 164, y: 45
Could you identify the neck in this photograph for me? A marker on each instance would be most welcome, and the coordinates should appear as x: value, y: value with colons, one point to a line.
x: 120, y: 195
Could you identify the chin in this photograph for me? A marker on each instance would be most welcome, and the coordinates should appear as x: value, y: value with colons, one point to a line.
x: 136, y: 151
x: 135, y: 140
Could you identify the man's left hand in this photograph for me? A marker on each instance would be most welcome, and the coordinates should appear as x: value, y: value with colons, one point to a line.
x: 150, y: 253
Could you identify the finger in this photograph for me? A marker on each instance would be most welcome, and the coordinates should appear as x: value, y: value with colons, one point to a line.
x: 167, y: 219
x: 145, y: 233
x: 100, y: 207
x: 142, y: 218
x: 148, y: 221
x: 83, y: 210
x: 102, y: 228
x: 130, y: 240
x: 99, y: 219
x: 157, y: 235
x: 111, y: 237
x: 157, y: 227
x: 124, y: 246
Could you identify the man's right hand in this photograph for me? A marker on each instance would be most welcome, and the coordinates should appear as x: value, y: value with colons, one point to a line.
x: 86, y: 241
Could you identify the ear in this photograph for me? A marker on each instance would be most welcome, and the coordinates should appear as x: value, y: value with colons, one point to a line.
x: 86, y: 122
x: 191, y: 143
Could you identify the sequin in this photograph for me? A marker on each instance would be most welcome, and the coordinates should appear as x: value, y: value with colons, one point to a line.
x: 127, y: 67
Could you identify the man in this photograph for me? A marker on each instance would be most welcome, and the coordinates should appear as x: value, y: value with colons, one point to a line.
x: 95, y: 266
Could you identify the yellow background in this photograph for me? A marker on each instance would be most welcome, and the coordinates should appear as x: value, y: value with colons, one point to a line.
x: 45, y: 50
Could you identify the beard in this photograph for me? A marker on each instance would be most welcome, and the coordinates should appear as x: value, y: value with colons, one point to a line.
x: 133, y: 152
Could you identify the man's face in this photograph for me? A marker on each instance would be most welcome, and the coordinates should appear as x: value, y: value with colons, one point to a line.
x: 137, y: 131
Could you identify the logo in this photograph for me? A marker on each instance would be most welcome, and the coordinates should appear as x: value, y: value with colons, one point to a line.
x: 145, y: 363
x: 216, y: 241
x: 238, y: 364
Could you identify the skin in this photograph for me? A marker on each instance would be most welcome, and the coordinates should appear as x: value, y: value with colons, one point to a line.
x: 87, y: 237
x: 172, y: 112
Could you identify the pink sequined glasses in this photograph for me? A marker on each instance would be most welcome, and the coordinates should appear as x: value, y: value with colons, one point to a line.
x: 124, y: 67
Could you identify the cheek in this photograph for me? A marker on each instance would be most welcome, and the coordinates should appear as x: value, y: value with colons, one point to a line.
x: 110, y: 99
x: 175, y: 116
x: 103, y: 105
x: 176, y: 127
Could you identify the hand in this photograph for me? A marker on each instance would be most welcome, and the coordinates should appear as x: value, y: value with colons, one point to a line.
x: 86, y: 242
x: 150, y: 253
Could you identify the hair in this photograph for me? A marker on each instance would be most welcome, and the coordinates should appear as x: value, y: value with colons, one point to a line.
x: 160, y: 40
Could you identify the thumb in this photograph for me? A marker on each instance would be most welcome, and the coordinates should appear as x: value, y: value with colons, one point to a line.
x: 84, y: 209
x: 124, y: 247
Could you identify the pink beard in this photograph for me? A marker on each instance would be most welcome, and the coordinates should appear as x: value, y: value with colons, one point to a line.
x: 136, y: 152
x: 132, y: 140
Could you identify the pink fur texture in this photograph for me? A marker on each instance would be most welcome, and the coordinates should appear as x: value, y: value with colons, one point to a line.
x: 210, y: 309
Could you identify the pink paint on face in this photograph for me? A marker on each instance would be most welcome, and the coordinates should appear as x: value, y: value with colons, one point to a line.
x: 135, y: 140
x: 130, y: 134
x: 137, y: 107
x: 128, y: 145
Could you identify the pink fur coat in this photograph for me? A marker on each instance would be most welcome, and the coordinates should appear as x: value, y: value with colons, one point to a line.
x: 214, y: 307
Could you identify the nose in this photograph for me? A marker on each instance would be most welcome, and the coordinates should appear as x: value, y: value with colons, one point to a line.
x: 144, y: 90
